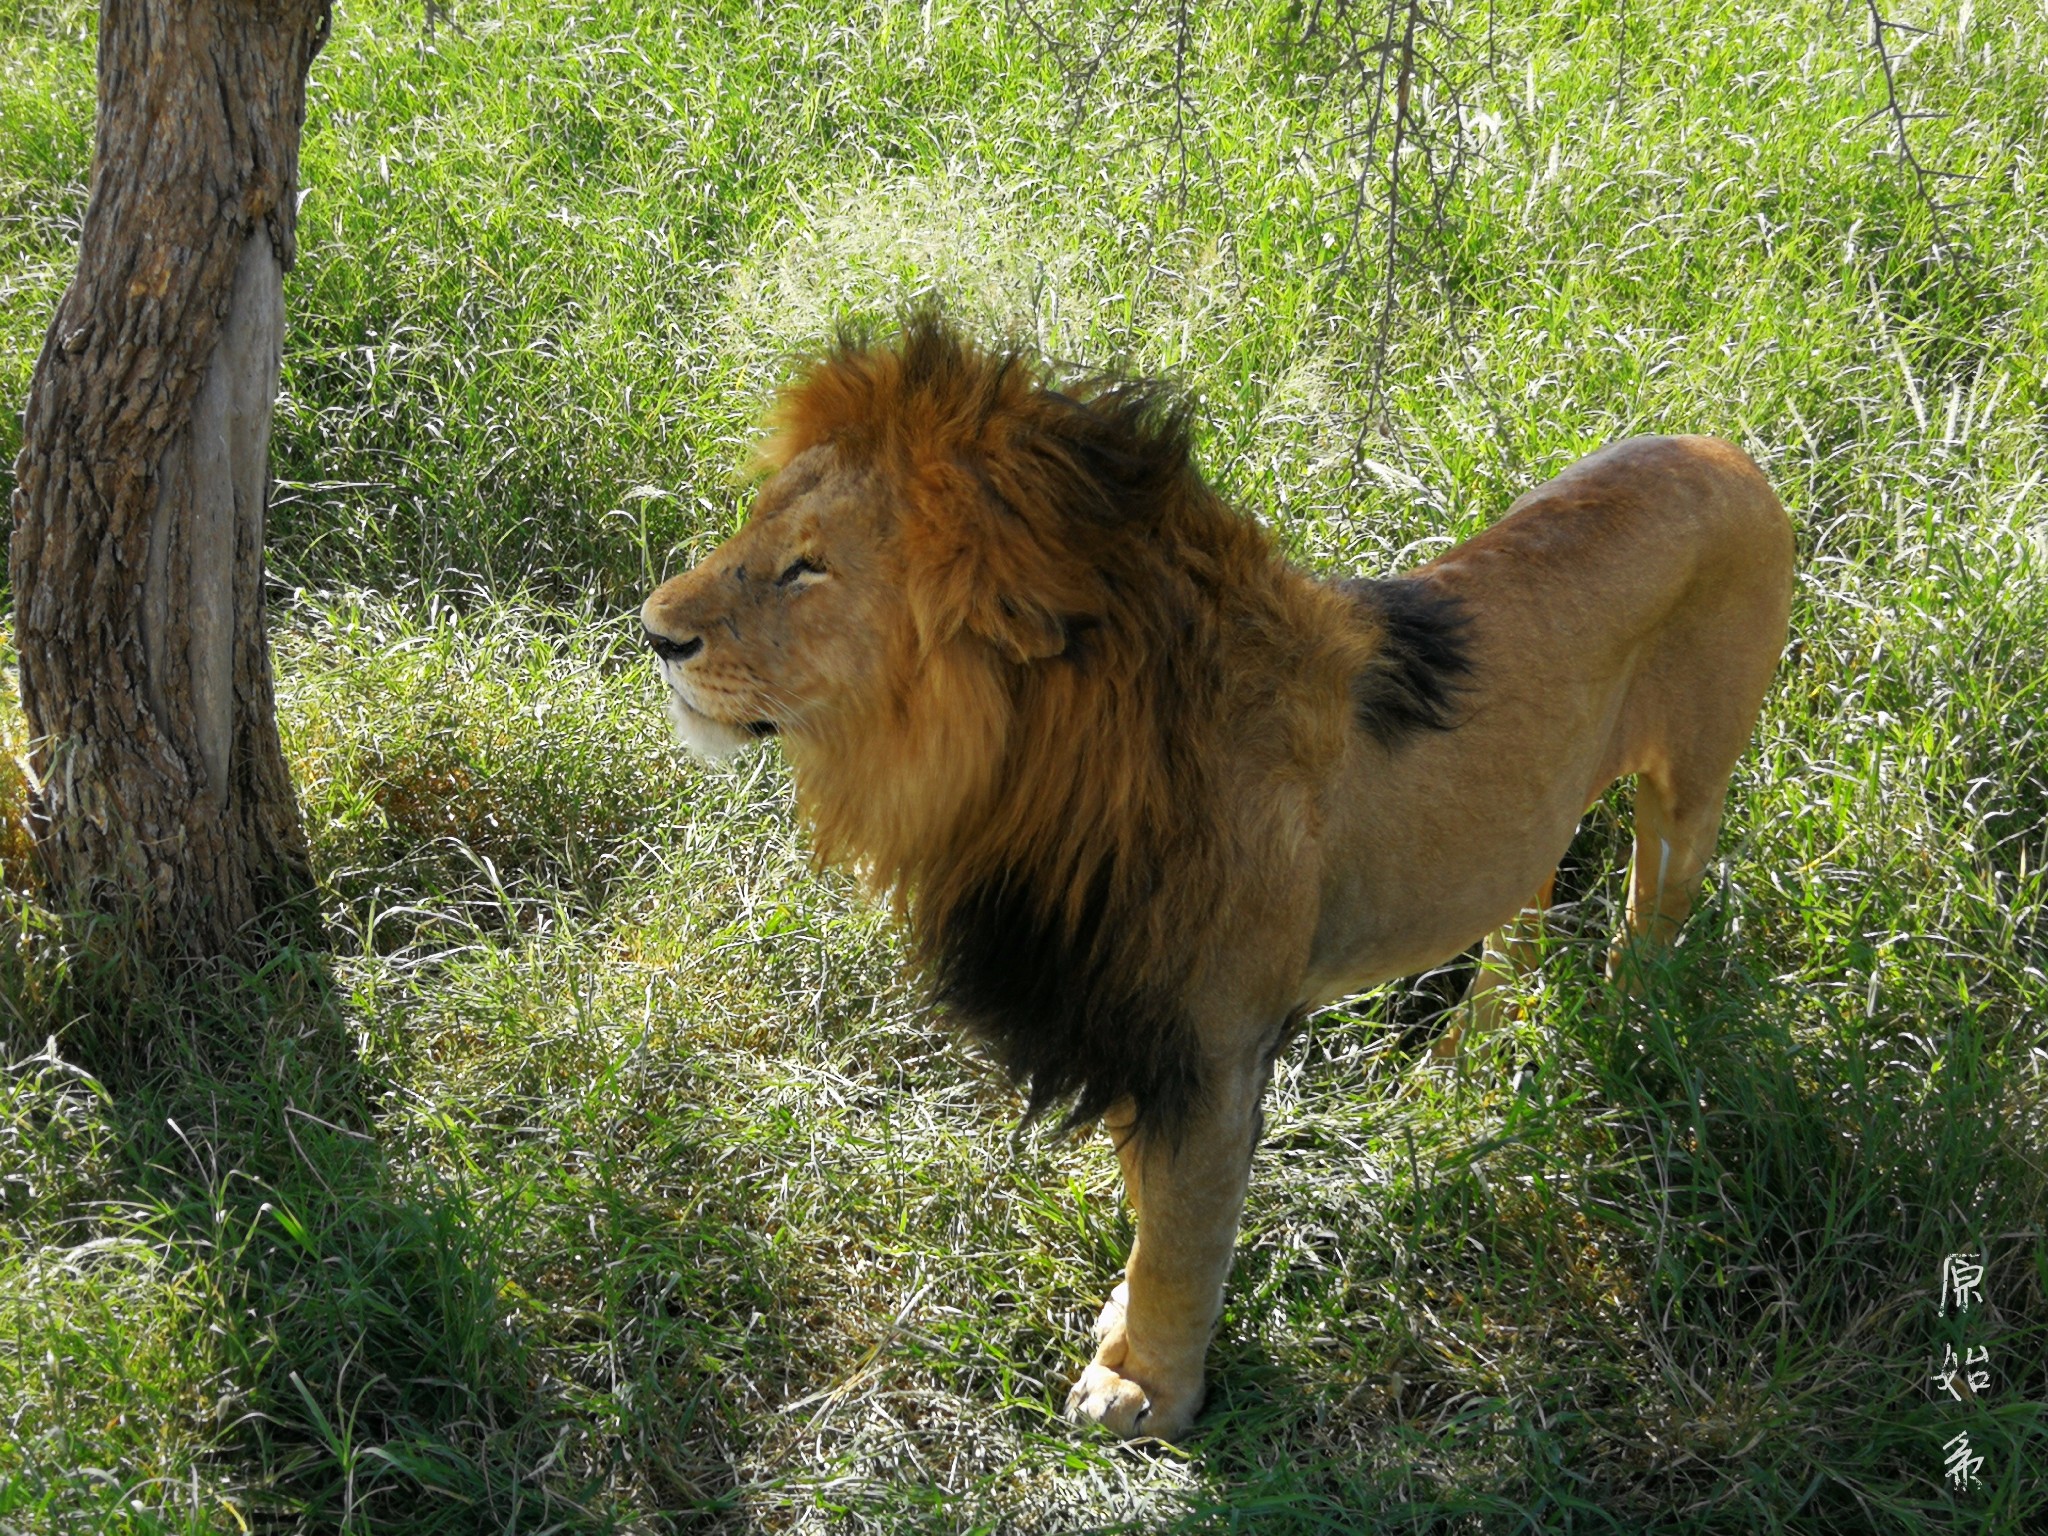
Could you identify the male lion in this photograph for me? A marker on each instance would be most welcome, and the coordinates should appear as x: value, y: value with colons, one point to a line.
x: 1145, y: 794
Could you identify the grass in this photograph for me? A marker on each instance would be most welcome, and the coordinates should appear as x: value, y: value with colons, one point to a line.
x: 609, y: 1171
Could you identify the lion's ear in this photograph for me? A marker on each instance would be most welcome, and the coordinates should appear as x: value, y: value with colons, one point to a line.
x: 974, y: 565
x: 965, y: 595
x: 1025, y: 631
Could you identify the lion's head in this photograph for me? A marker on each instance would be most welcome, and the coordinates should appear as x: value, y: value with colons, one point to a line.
x: 947, y: 556
x: 791, y: 624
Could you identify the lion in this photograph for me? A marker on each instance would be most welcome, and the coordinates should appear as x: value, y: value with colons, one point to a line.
x: 1145, y: 795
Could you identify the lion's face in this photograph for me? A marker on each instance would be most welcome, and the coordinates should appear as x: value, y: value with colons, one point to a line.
x: 793, y: 621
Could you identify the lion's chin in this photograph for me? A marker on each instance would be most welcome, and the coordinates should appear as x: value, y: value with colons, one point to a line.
x: 706, y: 737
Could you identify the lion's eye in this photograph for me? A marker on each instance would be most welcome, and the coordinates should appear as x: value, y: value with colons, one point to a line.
x: 798, y: 570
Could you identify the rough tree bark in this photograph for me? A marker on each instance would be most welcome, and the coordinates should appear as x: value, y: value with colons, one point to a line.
x: 160, y: 789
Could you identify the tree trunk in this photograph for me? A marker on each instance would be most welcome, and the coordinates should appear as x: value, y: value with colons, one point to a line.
x: 160, y: 787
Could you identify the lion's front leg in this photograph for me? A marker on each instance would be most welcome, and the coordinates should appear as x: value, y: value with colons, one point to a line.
x: 1153, y: 1335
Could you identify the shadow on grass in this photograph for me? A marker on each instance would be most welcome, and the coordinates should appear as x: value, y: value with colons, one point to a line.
x: 1682, y: 1273
x: 380, y: 1332
x: 1800, y: 1171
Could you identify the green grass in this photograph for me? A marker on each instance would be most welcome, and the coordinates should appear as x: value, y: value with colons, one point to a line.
x: 610, y: 1172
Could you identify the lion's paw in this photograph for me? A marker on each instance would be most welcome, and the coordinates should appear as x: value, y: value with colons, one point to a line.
x: 1122, y: 1404
x: 1124, y: 1408
x: 1103, y: 1397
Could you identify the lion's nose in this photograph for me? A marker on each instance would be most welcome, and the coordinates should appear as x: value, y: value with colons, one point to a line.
x: 675, y: 650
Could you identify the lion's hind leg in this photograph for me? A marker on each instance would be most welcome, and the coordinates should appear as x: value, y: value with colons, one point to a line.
x: 1508, y: 953
x: 1674, y: 838
x: 1694, y: 702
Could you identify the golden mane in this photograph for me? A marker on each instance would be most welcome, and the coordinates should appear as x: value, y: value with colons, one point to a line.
x: 1088, y: 618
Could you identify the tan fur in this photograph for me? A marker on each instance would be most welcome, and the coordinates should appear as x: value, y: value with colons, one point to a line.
x: 1031, y: 671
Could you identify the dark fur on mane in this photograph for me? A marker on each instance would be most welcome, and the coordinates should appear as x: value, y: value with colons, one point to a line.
x: 1059, y: 1015
x: 1423, y: 660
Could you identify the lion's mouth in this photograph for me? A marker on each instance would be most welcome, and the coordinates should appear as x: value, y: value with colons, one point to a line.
x: 706, y: 734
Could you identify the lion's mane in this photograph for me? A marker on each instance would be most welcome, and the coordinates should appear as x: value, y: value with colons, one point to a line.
x: 1048, y: 793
